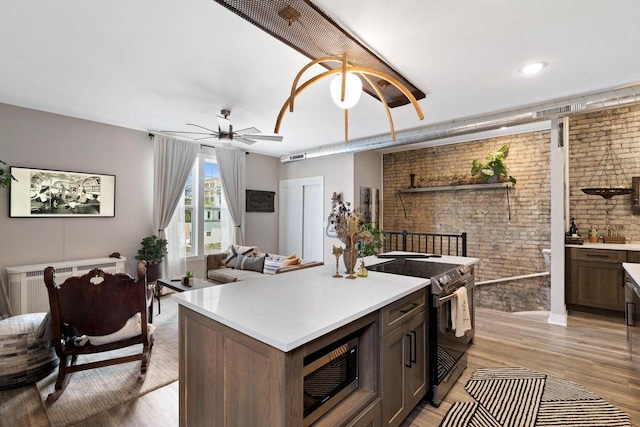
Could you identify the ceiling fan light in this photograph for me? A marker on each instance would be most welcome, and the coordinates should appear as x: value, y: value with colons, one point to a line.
x: 353, y: 90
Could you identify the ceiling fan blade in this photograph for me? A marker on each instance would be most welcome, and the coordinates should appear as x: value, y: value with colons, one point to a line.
x: 202, y: 127
x: 244, y: 140
x: 251, y: 130
x: 180, y: 131
x: 224, y: 124
x: 206, y: 137
x: 276, y: 138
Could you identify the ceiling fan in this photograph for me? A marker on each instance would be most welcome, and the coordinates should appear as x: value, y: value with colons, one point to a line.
x: 225, y: 132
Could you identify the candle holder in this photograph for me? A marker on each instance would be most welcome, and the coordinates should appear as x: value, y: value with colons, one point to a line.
x: 352, y: 258
x: 337, y: 251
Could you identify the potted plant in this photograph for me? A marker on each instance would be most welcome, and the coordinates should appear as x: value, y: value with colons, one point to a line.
x: 495, y: 168
x: 188, y: 279
x: 5, y: 177
x: 372, y: 240
x: 153, y: 250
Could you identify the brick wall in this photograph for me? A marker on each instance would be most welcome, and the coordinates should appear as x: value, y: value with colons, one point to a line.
x: 589, y: 137
x: 506, y: 247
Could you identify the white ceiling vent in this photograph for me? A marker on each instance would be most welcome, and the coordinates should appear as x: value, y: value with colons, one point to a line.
x: 550, y: 112
x: 295, y: 157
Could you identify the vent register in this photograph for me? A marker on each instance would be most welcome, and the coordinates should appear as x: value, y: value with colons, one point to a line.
x: 307, y: 29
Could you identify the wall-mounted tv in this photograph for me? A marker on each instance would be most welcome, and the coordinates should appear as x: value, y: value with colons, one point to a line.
x: 39, y: 193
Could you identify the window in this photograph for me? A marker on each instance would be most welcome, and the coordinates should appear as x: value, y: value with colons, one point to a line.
x: 202, y: 208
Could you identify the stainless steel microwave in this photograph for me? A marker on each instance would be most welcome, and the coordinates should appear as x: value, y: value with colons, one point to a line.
x: 330, y: 374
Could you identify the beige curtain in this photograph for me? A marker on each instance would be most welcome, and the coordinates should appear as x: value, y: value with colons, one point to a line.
x: 173, y: 161
x: 231, y: 164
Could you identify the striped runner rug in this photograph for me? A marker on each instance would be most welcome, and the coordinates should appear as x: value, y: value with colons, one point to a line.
x: 518, y: 397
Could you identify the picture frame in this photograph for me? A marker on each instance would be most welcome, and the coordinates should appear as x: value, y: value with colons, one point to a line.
x: 46, y: 193
x: 260, y: 201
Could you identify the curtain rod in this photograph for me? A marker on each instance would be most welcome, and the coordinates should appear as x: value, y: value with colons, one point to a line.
x: 152, y: 135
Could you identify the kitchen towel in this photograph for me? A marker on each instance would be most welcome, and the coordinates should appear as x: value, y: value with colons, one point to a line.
x: 460, y: 315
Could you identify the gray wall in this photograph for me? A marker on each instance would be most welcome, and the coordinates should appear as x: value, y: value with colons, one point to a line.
x: 37, y: 139
x: 261, y: 228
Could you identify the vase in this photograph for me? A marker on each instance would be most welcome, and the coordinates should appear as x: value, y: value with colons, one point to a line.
x: 349, y: 263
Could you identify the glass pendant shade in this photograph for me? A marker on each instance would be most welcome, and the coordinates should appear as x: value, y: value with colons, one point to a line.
x: 353, y: 90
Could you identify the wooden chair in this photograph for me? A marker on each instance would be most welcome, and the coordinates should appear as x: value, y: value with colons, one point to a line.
x: 97, y: 304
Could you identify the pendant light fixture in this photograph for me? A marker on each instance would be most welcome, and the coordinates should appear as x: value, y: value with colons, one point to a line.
x: 608, y: 166
x: 346, y: 89
x: 352, y: 90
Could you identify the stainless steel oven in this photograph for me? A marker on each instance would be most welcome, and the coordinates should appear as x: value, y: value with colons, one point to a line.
x: 632, y: 317
x: 447, y: 353
x: 450, y: 348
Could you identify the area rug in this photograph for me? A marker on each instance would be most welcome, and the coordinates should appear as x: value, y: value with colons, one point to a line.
x: 96, y: 390
x: 523, y: 398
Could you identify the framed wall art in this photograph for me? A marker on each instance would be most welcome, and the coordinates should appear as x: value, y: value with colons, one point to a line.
x: 40, y: 193
x: 260, y: 201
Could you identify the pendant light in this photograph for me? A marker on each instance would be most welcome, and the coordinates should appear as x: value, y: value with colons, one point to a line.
x: 609, y: 164
x: 346, y: 89
x: 352, y: 90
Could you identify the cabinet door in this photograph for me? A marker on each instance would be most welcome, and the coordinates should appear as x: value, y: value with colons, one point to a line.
x: 597, y: 284
x: 395, y: 356
x: 417, y: 374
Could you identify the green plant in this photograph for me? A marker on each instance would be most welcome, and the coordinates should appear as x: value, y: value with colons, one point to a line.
x: 5, y: 177
x: 372, y: 241
x: 153, y: 250
x: 188, y: 275
x: 495, y: 166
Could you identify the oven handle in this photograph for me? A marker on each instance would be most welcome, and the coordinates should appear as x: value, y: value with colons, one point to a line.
x: 445, y: 299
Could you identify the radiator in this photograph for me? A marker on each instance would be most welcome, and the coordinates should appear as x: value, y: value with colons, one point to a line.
x: 27, y: 291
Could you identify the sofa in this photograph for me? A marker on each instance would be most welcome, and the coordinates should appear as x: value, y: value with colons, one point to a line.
x: 239, y: 263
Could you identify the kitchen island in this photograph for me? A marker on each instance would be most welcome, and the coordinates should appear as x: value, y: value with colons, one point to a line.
x: 242, y: 345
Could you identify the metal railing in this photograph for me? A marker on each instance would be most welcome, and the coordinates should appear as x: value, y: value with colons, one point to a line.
x: 434, y: 243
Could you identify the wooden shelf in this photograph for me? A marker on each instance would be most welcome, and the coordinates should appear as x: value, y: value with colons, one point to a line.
x: 459, y: 187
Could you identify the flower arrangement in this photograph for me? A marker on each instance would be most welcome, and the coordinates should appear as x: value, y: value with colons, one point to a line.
x: 343, y: 221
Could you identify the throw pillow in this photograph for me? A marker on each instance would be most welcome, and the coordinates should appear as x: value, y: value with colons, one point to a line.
x: 271, y: 264
x: 250, y: 263
x: 235, y: 250
x: 290, y: 261
x: 220, y: 277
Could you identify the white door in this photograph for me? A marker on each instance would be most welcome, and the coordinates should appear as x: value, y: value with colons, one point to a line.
x: 301, y: 221
x: 290, y: 223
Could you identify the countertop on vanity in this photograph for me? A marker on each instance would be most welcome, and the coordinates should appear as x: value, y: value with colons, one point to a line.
x: 610, y: 246
x: 290, y: 309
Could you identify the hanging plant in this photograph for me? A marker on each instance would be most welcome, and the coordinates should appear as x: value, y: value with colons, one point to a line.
x: 495, y: 168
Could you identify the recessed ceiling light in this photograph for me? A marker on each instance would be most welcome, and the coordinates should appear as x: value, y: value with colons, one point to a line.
x: 532, y: 68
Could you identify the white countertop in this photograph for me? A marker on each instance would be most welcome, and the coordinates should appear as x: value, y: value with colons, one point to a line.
x: 612, y: 246
x: 290, y: 309
x: 633, y: 270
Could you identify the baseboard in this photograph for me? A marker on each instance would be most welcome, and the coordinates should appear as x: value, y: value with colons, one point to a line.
x: 558, y: 319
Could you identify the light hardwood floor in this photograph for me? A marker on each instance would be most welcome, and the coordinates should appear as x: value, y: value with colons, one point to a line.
x: 590, y: 351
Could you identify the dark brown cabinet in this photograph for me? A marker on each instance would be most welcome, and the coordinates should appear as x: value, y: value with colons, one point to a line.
x: 404, y: 359
x: 595, y: 280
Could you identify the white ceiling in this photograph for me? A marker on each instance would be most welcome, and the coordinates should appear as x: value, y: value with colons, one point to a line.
x: 158, y: 64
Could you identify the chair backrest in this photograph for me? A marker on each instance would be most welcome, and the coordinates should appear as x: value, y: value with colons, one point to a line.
x: 97, y: 303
